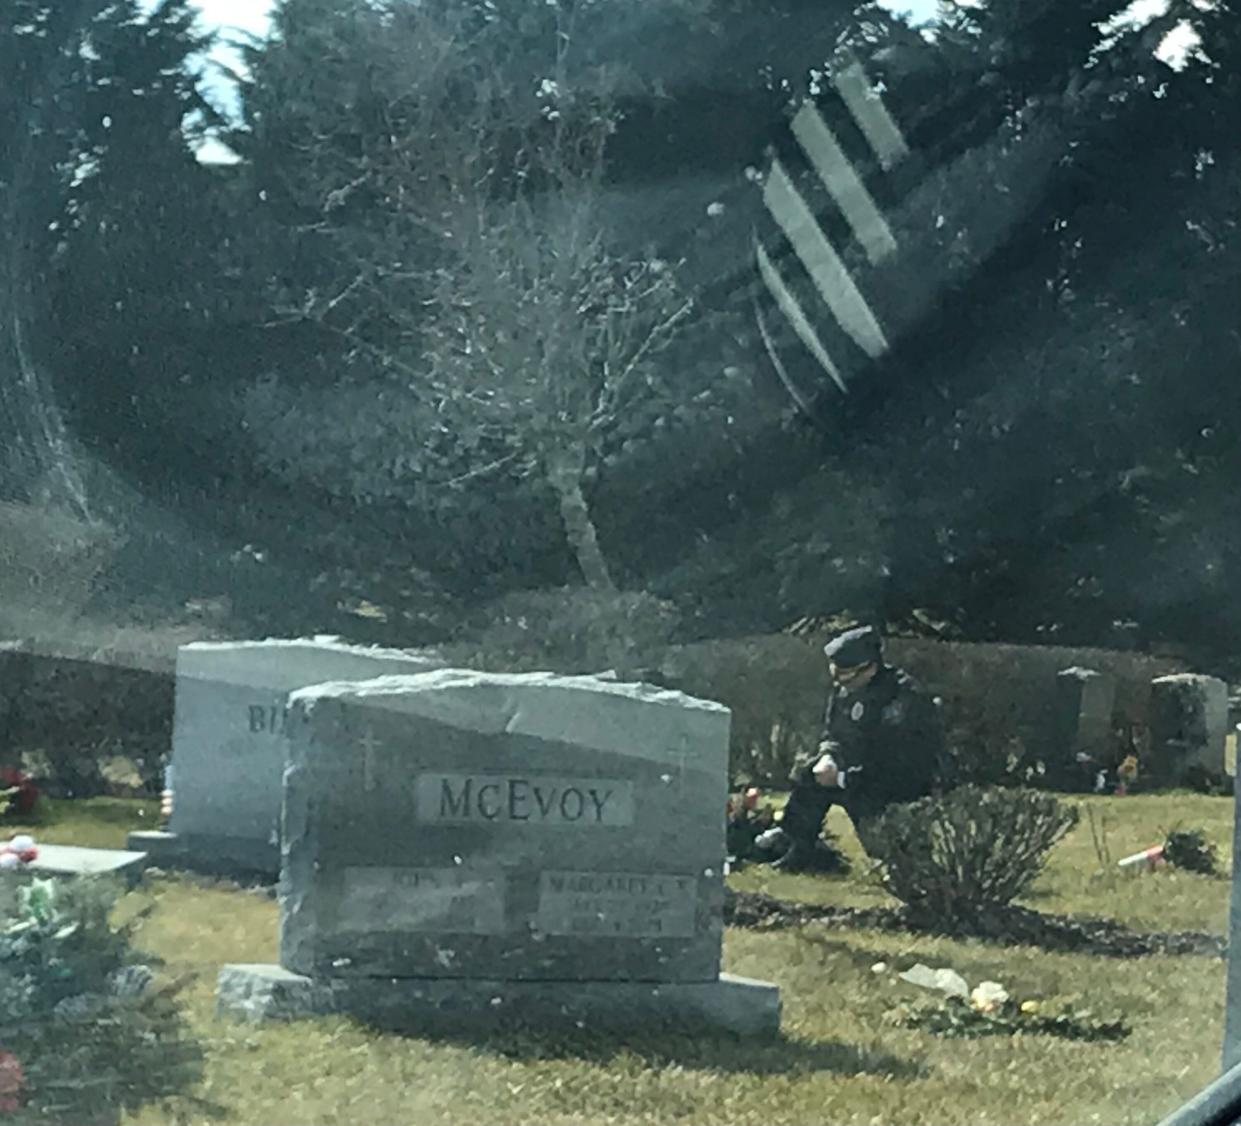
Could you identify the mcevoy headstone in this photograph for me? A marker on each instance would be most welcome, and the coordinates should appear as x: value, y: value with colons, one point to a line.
x: 463, y: 842
x: 228, y: 744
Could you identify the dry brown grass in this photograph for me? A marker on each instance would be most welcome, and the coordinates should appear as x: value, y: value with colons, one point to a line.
x: 838, y: 1061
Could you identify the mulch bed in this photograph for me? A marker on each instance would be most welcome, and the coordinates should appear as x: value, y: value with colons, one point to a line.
x: 1009, y: 925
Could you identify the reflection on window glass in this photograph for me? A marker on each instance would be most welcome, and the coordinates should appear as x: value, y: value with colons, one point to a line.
x: 617, y: 560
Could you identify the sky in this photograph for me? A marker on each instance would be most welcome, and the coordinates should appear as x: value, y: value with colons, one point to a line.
x: 252, y: 16
x: 228, y: 17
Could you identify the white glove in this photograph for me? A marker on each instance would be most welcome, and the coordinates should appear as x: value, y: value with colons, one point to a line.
x: 827, y: 763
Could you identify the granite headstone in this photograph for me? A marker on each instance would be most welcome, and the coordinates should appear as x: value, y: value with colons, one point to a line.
x: 1188, y: 727
x: 228, y: 745
x: 1081, y: 721
x: 458, y: 839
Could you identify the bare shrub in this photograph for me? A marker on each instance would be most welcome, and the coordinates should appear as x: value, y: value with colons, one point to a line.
x: 953, y: 858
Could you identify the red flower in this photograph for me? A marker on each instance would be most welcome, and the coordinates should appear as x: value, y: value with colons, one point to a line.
x: 12, y: 1082
x: 27, y: 792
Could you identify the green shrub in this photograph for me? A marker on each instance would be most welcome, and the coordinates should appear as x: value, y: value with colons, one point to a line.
x: 976, y: 754
x: 949, y: 859
x: 1203, y: 780
x: 955, y: 1017
x: 94, y: 1033
x: 762, y: 750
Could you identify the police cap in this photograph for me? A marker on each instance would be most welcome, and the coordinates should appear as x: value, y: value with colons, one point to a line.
x: 854, y: 647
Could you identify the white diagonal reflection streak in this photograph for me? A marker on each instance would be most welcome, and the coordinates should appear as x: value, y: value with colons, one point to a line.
x: 844, y: 184
x: 822, y: 262
x: 871, y: 114
x: 794, y: 314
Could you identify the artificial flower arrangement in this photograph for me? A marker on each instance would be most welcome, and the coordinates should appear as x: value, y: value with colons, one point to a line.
x: 18, y: 793
x: 989, y: 1010
x: 17, y: 852
x: 747, y: 816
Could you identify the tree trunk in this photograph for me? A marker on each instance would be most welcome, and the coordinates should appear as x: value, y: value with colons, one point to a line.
x: 579, y: 529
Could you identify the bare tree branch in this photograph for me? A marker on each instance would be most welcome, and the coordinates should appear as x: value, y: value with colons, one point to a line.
x: 488, y: 259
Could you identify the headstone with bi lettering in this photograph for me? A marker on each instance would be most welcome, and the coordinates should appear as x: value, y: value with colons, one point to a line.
x: 462, y: 842
x: 228, y: 745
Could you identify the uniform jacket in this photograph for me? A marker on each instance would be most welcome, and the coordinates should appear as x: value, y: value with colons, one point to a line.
x: 886, y: 739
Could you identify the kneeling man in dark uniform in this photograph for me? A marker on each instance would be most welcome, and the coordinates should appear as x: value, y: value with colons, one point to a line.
x: 881, y: 744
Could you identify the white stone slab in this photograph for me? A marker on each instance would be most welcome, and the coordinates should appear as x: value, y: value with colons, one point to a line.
x: 71, y: 860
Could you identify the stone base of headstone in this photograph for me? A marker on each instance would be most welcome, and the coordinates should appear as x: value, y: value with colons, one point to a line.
x: 232, y: 857
x: 268, y: 992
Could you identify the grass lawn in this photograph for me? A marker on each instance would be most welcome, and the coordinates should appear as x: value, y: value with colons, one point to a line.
x: 838, y: 1061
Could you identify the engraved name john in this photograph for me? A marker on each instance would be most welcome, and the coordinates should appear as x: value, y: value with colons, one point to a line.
x: 445, y: 900
x: 529, y: 799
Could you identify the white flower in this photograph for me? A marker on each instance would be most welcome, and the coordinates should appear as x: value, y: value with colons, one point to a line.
x: 988, y: 996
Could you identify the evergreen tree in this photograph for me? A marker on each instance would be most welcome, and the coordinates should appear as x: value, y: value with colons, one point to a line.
x: 40, y: 107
